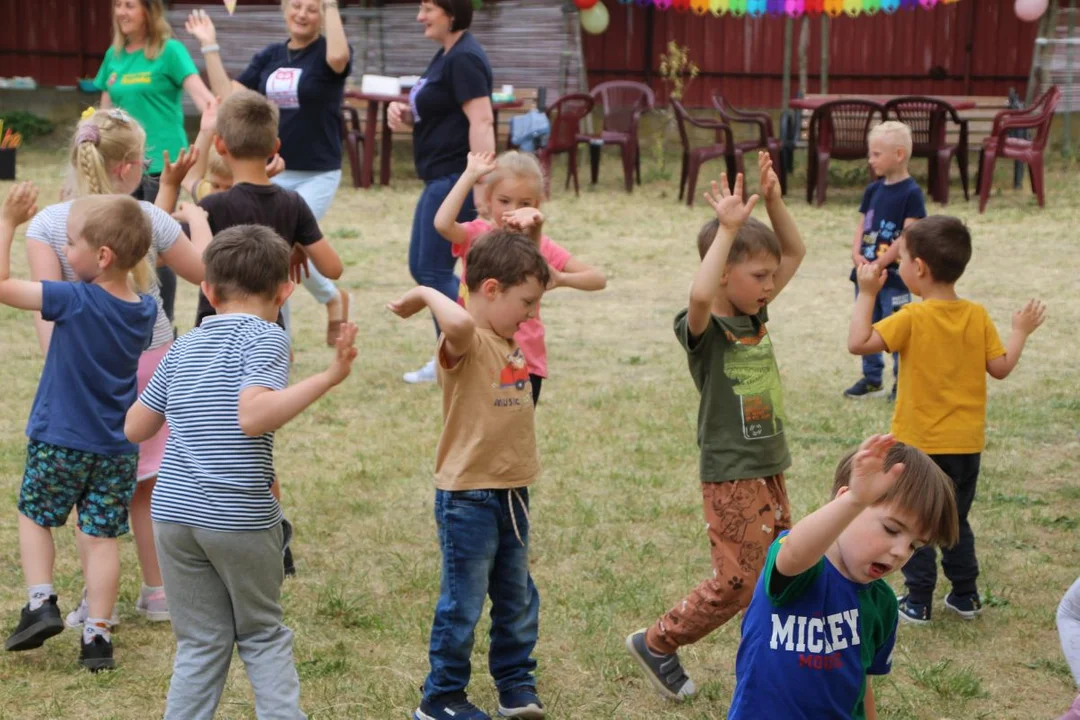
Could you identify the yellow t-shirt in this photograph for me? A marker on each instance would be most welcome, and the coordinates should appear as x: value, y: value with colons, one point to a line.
x: 944, y: 346
x: 488, y: 440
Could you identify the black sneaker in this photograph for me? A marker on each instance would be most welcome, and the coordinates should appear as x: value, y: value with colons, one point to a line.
x: 665, y: 672
x: 96, y: 655
x: 521, y: 702
x: 451, y: 706
x: 36, y: 626
x: 966, y: 606
x: 863, y: 389
x: 914, y: 613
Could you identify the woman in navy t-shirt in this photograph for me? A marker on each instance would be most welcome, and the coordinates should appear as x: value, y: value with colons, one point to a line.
x: 450, y: 114
x: 305, y: 77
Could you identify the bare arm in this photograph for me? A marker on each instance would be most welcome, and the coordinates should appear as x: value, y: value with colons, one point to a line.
x: 325, y: 258
x: 481, y: 124
x: 19, y: 206
x: 142, y: 423
x: 455, y: 321
x: 337, y: 45
x: 792, y: 248
x: 580, y: 276
x: 479, y: 165
x: 856, y: 245
x: 200, y: 25
x: 892, y: 254
x: 105, y: 102
x: 186, y: 259
x: 868, y: 701
x: 1025, y: 321
x: 44, y: 265
x: 196, y: 88
x: 863, y: 339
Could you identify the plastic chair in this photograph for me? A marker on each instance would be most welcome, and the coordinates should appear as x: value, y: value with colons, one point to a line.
x: 765, y: 140
x: 565, y: 115
x: 838, y: 130
x: 928, y: 117
x: 693, y: 158
x: 623, y: 103
x: 999, y: 144
x: 352, y: 137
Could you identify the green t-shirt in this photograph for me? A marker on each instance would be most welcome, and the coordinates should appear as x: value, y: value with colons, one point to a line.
x: 741, y: 416
x: 151, y: 92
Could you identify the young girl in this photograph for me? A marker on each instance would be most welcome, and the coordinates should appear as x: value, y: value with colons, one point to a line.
x: 1068, y: 622
x: 107, y: 157
x: 510, y: 197
x: 78, y: 454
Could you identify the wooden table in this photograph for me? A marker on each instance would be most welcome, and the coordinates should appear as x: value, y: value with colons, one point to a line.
x: 372, y: 120
x: 813, y: 102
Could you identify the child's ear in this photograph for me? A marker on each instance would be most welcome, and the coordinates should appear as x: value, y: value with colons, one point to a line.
x: 105, y: 256
x: 219, y: 145
x: 277, y: 146
x: 211, y: 294
x: 490, y: 288
x: 283, y: 292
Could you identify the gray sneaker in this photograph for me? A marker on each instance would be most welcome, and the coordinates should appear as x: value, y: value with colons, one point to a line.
x: 665, y: 672
x: 77, y: 617
x: 153, y: 606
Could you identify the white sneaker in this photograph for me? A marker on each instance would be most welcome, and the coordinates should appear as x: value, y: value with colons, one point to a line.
x: 77, y: 617
x: 425, y: 374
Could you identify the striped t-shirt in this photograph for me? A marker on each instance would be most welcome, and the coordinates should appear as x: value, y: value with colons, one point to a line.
x: 213, y: 476
x: 50, y: 226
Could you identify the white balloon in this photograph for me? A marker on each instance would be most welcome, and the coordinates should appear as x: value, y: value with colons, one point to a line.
x: 1030, y: 10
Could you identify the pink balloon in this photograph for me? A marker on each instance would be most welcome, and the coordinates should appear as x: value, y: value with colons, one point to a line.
x: 1030, y: 10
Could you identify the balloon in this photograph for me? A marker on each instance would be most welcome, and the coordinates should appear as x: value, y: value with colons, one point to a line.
x: 595, y: 20
x: 585, y: 4
x: 1030, y: 10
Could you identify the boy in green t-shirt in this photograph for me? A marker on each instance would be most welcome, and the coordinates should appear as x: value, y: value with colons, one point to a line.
x: 744, y: 453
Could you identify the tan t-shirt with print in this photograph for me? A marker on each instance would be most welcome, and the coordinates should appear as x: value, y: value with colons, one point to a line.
x: 488, y: 440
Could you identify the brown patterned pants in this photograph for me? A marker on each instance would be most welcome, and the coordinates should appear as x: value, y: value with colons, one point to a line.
x: 743, y: 517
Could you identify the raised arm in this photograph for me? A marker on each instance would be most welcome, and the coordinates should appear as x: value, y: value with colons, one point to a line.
x: 1025, y: 321
x: 172, y: 176
x: 44, y: 265
x: 579, y: 276
x: 455, y: 321
x: 792, y: 249
x: 201, y: 148
x: 200, y: 94
x: 479, y: 165
x: 19, y: 206
x: 201, y: 26
x: 337, y: 45
x: 863, y: 339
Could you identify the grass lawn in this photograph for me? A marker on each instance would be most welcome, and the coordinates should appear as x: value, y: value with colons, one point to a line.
x: 617, y: 531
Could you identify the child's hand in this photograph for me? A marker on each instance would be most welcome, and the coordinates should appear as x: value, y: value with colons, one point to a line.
x: 201, y: 26
x: 298, y: 264
x: 523, y: 219
x: 1027, y: 319
x: 174, y: 172
x: 729, y: 206
x: 556, y: 278
x: 276, y: 166
x: 344, y: 353
x: 858, y: 260
x: 20, y: 205
x: 480, y: 164
x: 209, y: 116
x: 407, y: 305
x: 770, y: 183
x: 871, y: 279
x: 869, y: 481
x: 188, y: 212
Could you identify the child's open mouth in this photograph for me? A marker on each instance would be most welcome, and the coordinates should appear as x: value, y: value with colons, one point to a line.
x: 878, y: 570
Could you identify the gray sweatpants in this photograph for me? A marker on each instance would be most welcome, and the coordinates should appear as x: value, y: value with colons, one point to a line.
x: 224, y: 588
x: 1068, y: 622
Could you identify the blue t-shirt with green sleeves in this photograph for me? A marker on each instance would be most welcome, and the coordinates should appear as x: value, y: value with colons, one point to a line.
x: 808, y: 643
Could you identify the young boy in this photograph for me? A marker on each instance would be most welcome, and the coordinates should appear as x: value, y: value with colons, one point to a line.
x: 741, y: 420
x: 822, y: 617
x: 485, y: 462
x: 946, y: 346
x: 889, y: 205
x: 218, y: 529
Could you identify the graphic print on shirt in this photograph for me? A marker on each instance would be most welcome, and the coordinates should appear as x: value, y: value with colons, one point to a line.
x: 283, y: 87
x: 749, y: 364
x: 514, y: 374
x: 412, y: 99
x: 876, y: 241
x: 818, y: 640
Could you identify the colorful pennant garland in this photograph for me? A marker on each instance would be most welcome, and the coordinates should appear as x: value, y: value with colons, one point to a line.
x: 792, y: 8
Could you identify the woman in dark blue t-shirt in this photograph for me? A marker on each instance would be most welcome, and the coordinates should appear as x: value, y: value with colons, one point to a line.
x: 450, y: 114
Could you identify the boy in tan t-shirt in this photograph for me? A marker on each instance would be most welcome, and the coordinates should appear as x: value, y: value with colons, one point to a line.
x: 486, y: 459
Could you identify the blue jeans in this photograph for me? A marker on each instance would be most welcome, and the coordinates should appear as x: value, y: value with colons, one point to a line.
x: 431, y: 262
x: 482, y: 556
x: 888, y: 301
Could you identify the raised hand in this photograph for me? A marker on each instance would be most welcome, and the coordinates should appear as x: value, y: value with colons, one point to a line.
x: 298, y: 264
x: 730, y: 209
x: 188, y: 212
x: 523, y: 219
x: 407, y: 305
x: 1027, y: 319
x: 20, y: 204
x: 201, y: 26
x: 344, y: 353
x: 480, y: 164
x: 869, y: 480
x: 770, y: 183
x: 174, y: 172
x: 871, y: 278
x: 208, y: 123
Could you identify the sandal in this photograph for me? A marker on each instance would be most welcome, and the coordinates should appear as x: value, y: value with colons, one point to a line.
x: 333, y: 327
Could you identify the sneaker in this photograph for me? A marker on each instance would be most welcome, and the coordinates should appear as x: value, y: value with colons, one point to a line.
x: 966, y: 606
x: 77, y: 617
x: 863, y: 389
x: 97, y: 655
x: 665, y: 672
x: 36, y: 626
x: 425, y: 374
x: 451, y: 706
x: 152, y: 606
x: 913, y: 613
x: 521, y: 702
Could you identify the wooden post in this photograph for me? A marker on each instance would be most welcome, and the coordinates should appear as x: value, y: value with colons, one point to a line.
x: 824, y: 55
x: 1067, y: 148
x: 789, y: 30
x: 804, y: 60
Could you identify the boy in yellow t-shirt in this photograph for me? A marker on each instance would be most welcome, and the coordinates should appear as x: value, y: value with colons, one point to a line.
x: 946, y: 346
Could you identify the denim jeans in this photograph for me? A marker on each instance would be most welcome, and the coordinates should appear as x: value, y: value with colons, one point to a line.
x: 888, y: 301
x: 317, y: 189
x: 431, y: 262
x: 482, y: 556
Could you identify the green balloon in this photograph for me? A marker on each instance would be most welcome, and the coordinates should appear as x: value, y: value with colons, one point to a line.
x: 595, y: 20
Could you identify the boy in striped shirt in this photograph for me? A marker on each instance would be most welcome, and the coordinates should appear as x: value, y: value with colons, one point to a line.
x: 224, y: 390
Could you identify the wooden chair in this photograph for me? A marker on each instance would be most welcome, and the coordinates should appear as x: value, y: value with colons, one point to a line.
x: 928, y: 119
x: 352, y: 138
x: 565, y: 115
x: 623, y: 103
x: 838, y: 130
x: 694, y: 157
x: 765, y: 139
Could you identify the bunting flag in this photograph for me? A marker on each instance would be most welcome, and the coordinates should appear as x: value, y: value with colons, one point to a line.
x: 230, y: 6
x: 791, y: 8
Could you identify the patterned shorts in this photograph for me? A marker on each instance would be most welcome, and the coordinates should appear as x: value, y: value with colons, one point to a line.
x: 99, y: 486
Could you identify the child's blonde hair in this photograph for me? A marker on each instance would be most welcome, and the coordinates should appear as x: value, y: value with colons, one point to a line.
x: 216, y: 165
x: 897, y: 132
x: 158, y: 31
x: 104, y: 139
x: 511, y: 164
x: 118, y: 223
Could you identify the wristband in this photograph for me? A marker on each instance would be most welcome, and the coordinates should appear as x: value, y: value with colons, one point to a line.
x: 206, y: 49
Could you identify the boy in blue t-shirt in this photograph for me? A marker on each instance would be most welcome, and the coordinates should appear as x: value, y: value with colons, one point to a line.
x: 822, y: 618
x: 889, y: 205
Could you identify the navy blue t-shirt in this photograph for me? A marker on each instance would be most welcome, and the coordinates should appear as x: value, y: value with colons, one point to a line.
x: 440, y: 126
x: 89, y: 379
x: 886, y: 207
x: 309, y: 95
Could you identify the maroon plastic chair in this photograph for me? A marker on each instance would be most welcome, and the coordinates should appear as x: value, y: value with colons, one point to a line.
x: 928, y: 119
x: 838, y: 131
x: 694, y: 157
x: 352, y: 137
x: 998, y: 144
x: 623, y: 103
x: 565, y: 116
x: 765, y: 139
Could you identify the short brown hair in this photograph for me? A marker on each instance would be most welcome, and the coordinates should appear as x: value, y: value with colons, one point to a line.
x: 507, y: 257
x: 248, y: 125
x: 247, y: 260
x: 943, y: 243
x: 753, y: 238
x: 923, y: 489
x: 118, y: 223
x: 460, y: 11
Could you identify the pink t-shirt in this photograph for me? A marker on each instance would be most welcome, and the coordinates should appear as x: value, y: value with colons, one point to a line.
x: 530, y: 336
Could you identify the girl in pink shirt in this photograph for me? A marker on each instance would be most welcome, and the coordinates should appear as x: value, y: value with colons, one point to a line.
x: 510, y: 197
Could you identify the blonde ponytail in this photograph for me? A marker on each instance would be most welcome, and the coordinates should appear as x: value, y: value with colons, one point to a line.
x: 103, y: 140
x: 143, y: 276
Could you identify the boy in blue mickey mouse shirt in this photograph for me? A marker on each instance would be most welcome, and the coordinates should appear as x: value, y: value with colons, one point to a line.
x: 889, y: 205
x: 822, y: 618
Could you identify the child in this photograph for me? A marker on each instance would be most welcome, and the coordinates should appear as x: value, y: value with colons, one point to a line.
x: 823, y: 618
x: 485, y: 462
x: 888, y: 206
x: 222, y: 388
x: 77, y: 454
x: 1068, y: 622
x: 744, y: 266
x: 946, y: 346
x: 511, y: 198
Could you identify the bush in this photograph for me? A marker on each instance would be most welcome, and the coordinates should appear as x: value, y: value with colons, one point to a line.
x: 28, y: 124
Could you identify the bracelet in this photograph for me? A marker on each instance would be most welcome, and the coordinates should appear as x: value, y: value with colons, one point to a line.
x: 206, y: 49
